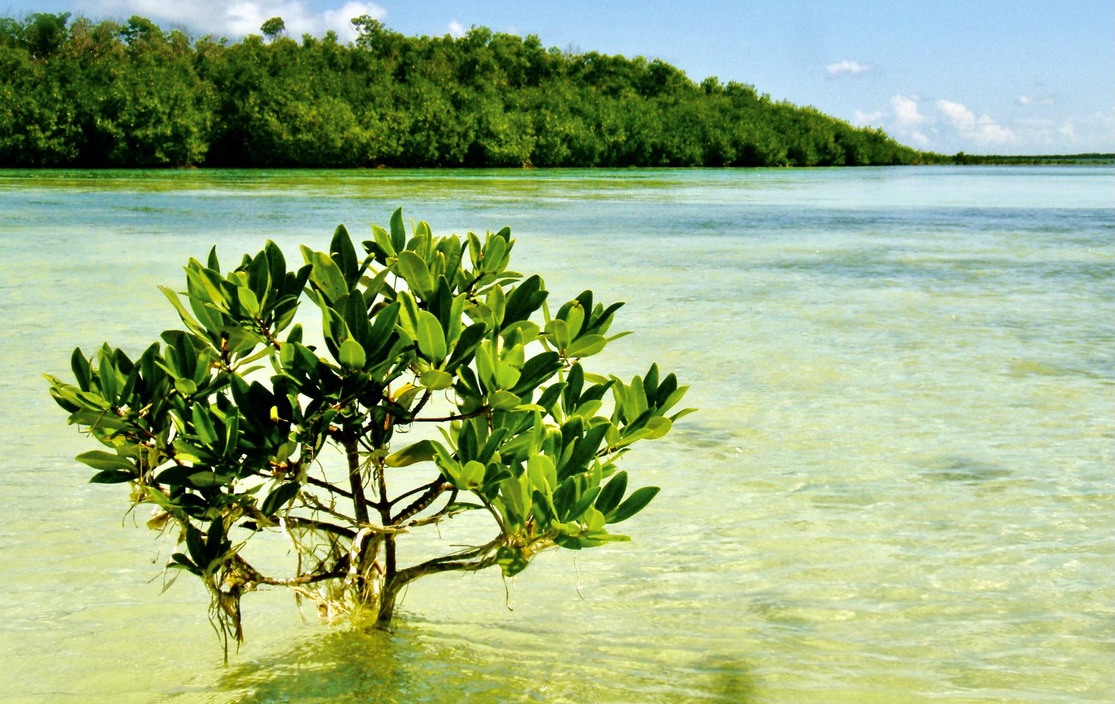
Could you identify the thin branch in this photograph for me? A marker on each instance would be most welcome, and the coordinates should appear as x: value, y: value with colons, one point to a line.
x: 256, y: 576
x: 446, y: 512
x: 446, y: 419
x: 314, y: 504
x: 298, y: 521
x: 336, y: 573
x: 359, y: 501
x: 420, y: 405
x: 321, y: 483
x: 418, y: 490
x: 454, y: 561
x: 423, y: 502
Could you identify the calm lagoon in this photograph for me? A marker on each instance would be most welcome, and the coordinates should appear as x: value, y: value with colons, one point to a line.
x: 899, y: 486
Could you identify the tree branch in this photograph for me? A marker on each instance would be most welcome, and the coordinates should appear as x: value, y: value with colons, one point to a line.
x: 422, y: 502
x: 328, y: 487
x: 461, y: 416
x: 298, y: 521
x: 454, y: 562
x: 338, y: 571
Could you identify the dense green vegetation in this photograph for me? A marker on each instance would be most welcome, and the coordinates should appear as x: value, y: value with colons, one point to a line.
x: 446, y: 385
x: 132, y: 95
x: 963, y: 159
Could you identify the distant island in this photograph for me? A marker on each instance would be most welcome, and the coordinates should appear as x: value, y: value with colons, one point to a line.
x: 1028, y: 160
x: 79, y: 94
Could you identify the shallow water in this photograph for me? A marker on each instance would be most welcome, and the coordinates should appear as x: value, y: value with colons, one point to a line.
x: 899, y: 486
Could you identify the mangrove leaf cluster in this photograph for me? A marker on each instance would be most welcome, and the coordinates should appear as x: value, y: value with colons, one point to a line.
x: 132, y: 95
x: 435, y: 382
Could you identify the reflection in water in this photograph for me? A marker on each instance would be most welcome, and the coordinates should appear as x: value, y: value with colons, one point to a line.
x: 413, y: 663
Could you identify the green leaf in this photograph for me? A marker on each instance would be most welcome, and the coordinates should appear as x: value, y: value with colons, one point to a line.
x: 495, y: 254
x: 575, y: 318
x: 537, y: 370
x: 205, y: 479
x: 279, y: 497
x: 383, y: 241
x: 466, y: 344
x: 612, y: 493
x: 248, y: 301
x: 583, y: 509
x: 177, y: 475
x: 558, y: 331
x: 586, y: 346
x: 186, y: 387
x: 506, y: 374
x: 543, y: 476
x: 504, y: 400
x: 421, y: 451
x: 398, y: 231
x: 203, y: 426
x: 594, y: 520
x: 634, y: 503
x: 326, y: 275
x: 344, y: 255
x: 195, y: 546
x: 180, y: 561
x: 352, y: 354
x: 431, y: 338
x: 215, y: 539
x: 526, y: 298
x: 80, y: 366
x: 436, y: 379
x: 511, y: 560
x: 107, y: 377
x: 98, y: 459
x: 112, y: 476
x: 656, y: 427
x: 415, y: 272
x: 472, y: 475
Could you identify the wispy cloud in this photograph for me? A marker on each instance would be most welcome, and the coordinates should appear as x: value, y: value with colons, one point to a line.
x: 906, y: 111
x: 909, y: 119
x: 981, y: 130
x: 237, y: 18
x: 847, y: 67
x: 865, y: 119
x: 1035, y: 100
x: 457, y: 29
x: 949, y: 126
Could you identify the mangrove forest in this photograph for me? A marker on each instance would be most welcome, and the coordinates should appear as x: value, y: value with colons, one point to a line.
x: 79, y: 93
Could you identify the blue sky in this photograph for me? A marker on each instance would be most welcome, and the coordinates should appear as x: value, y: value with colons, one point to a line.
x: 982, y: 76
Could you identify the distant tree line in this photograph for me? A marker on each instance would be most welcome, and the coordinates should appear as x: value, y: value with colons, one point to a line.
x: 85, y: 94
x: 962, y: 159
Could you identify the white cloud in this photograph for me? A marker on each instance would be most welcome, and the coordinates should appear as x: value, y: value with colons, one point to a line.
x: 237, y: 18
x: 863, y: 119
x: 948, y: 126
x: 847, y: 67
x: 908, y: 121
x: 1034, y: 100
x: 1087, y: 133
x: 340, y: 21
x: 457, y: 29
x: 981, y: 130
x: 906, y: 111
x: 961, y: 117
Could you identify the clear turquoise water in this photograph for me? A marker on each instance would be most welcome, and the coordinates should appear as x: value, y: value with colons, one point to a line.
x: 899, y: 487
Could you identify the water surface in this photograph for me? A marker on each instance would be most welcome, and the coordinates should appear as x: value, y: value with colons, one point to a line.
x: 899, y: 486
